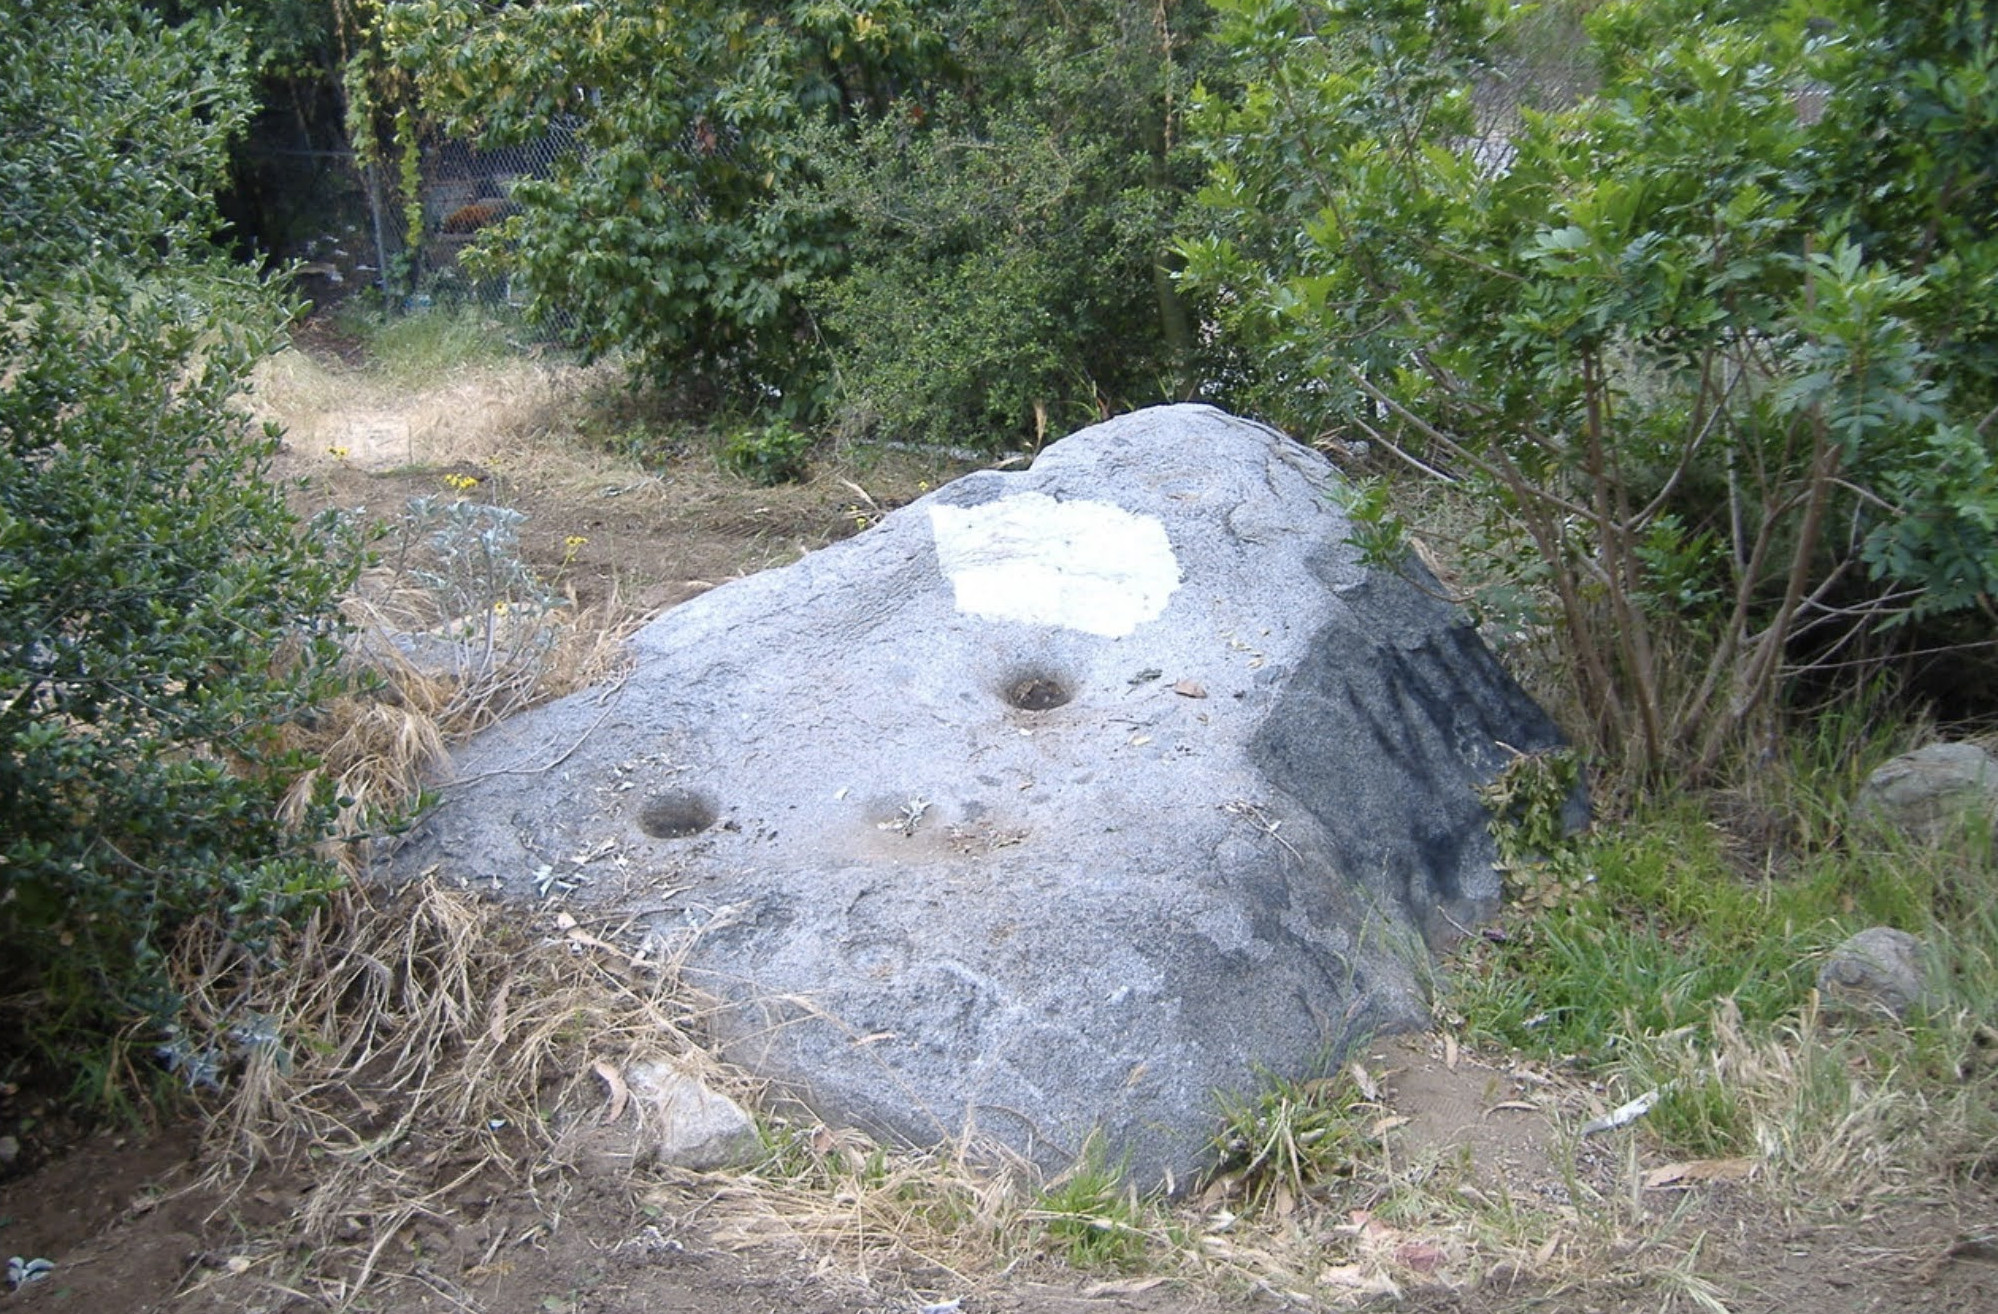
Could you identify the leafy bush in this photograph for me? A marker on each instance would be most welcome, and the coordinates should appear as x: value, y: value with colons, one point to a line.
x: 767, y: 454
x: 959, y: 319
x: 1010, y: 227
x: 113, y: 132
x: 160, y: 618
x: 942, y: 221
x: 161, y: 615
x: 660, y: 234
x: 1696, y: 394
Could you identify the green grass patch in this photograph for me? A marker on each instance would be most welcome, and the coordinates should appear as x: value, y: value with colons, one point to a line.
x: 423, y: 344
x: 1277, y: 1146
x: 1677, y: 950
x: 1093, y: 1217
x: 1659, y: 929
x: 1664, y: 923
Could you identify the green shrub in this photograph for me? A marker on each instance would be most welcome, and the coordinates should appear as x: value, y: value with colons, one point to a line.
x: 768, y: 453
x: 113, y: 132
x: 1002, y: 280
x: 161, y: 615
x: 661, y: 234
x: 160, y: 618
x: 944, y: 221
x: 1728, y: 425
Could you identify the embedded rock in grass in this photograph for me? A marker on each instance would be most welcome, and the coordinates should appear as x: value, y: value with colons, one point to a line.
x: 1878, y: 969
x: 684, y: 1124
x: 1930, y: 794
x: 1055, y: 804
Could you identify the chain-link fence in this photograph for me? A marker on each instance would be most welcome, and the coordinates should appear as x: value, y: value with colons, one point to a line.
x: 349, y: 229
x: 467, y: 190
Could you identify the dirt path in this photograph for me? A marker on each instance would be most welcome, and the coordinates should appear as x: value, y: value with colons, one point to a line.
x: 598, y: 524
x: 1474, y: 1192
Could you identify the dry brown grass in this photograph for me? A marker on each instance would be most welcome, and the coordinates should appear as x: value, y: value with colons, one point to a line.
x: 379, y: 743
x: 417, y: 1040
x: 423, y: 680
x: 408, y: 1042
x: 471, y: 413
x: 1379, y: 1218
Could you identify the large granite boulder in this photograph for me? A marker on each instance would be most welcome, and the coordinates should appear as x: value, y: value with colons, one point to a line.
x: 1055, y: 804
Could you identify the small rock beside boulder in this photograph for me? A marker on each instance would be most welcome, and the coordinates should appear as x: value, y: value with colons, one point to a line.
x: 1879, y: 969
x: 662, y: 1115
x: 1928, y: 795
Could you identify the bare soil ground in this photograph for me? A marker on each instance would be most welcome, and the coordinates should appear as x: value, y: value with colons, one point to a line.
x: 1474, y: 1193
x: 129, y: 1225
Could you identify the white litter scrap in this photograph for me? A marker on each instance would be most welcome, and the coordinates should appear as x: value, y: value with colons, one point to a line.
x: 20, y: 1272
x: 1625, y: 1114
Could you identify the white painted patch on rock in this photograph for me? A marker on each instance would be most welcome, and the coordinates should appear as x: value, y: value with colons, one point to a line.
x: 1089, y: 566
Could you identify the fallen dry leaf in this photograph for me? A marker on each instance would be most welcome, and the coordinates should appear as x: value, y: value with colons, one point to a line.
x: 620, y: 1094
x: 1190, y: 689
x: 1512, y: 1106
x: 1363, y: 1224
x: 1356, y: 1278
x: 1699, y: 1170
x: 1419, y: 1255
x: 496, y: 1026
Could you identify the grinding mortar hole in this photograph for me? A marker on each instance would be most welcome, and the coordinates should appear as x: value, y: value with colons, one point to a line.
x: 676, y: 814
x: 1037, y: 693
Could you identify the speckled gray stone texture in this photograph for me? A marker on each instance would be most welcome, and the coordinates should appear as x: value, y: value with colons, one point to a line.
x: 1880, y: 968
x: 934, y: 913
x: 1929, y: 794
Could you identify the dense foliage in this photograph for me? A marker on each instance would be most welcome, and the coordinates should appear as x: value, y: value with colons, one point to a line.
x: 1008, y: 267
x: 160, y: 613
x: 945, y: 221
x: 111, y: 132
x: 1715, y: 368
x: 661, y: 233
